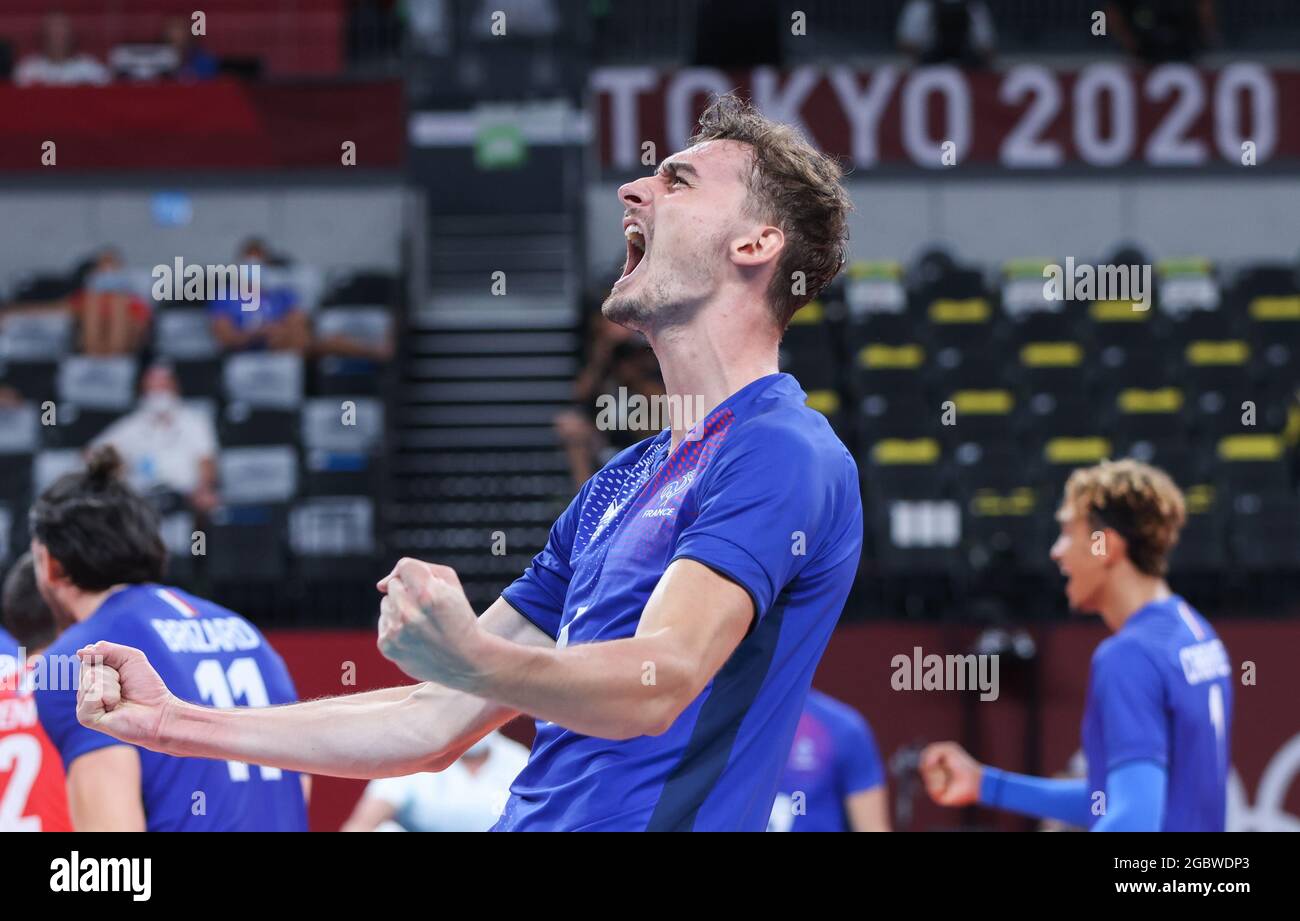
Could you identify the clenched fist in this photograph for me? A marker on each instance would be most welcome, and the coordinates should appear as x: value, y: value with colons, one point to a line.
x: 427, y: 626
x: 952, y: 777
x: 121, y: 695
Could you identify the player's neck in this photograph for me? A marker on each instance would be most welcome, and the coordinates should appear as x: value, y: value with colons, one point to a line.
x: 85, y: 604
x: 705, y: 361
x: 1129, y: 592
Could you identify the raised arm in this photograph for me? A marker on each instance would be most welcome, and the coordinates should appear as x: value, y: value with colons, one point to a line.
x: 617, y: 689
x: 383, y: 733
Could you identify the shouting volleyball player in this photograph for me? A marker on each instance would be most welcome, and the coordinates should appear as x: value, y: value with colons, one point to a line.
x: 99, y: 560
x: 666, y: 637
x: 1159, y: 708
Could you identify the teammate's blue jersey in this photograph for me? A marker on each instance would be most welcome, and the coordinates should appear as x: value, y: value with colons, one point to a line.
x: 8, y: 645
x: 767, y: 496
x: 207, y: 655
x: 1161, y: 690
x: 834, y: 756
x: 10, y: 666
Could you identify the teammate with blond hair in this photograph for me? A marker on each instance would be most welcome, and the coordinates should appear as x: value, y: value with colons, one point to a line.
x: 1159, y: 708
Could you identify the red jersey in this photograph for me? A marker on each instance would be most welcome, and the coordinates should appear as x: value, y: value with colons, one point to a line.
x: 33, y: 793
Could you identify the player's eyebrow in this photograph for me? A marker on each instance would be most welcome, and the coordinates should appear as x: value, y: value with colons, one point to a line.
x: 674, y: 168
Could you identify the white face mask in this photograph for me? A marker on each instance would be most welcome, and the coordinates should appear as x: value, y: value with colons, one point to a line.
x: 159, y: 401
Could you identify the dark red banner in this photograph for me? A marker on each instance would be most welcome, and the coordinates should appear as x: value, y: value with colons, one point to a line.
x: 222, y: 125
x: 858, y: 668
x: 1028, y: 117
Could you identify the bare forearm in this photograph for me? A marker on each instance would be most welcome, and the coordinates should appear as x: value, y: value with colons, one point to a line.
x: 380, y: 734
x: 614, y: 690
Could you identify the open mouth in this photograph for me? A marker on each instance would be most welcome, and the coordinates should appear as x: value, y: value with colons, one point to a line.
x: 634, y: 235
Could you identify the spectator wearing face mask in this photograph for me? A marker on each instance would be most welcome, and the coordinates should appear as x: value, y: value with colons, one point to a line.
x: 167, y: 446
x: 279, y: 324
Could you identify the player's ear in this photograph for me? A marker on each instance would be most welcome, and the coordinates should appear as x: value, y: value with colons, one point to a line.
x: 758, y: 247
x: 54, y: 571
x: 1116, y: 547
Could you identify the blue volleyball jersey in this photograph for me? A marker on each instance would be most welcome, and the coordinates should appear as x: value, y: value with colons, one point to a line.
x: 10, y: 665
x: 762, y: 492
x: 206, y: 655
x: 834, y: 756
x: 1160, y: 690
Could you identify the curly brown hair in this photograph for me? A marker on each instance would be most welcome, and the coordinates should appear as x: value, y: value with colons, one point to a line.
x: 795, y: 187
x: 1140, y: 502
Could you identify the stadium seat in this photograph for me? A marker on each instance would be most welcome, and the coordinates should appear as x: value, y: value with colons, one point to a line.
x: 31, y: 346
x: 830, y: 404
x: 19, y: 442
x: 48, y: 466
x: 93, y: 393
x: 267, y: 474
x: 884, y: 368
x: 36, y: 336
x: 340, y: 439
x: 333, y: 538
x: 184, y: 334
x: 1169, y: 452
x: 8, y: 539
x: 1201, y: 546
x: 980, y: 413
x: 1051, y: 365
x: 1143, y: 415
x: 1252, y: 463
x: 1187, y: 288
x: 808, y: 349
x: 246, y: 543
x: 898, y: 414
x: 177, y: 529
x: 957, y: 310
x: 264, y: 392
x: 897, y: 468
x: 999, y: 531
x: 874, y: 290
x: 40, y: 287
x: 1264, y: 531
x: 1061, y: 454
x: 361, y: 287
x: 370, y: 325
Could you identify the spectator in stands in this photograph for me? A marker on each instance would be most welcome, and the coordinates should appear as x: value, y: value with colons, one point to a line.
x: 1163, y: 30
x: 468, y: 796
x: 192, y: 61
x: 947, y: 32
x: 169, y: 449
x: 279, y: 323
x: 619, y: 359
x: 57, y: 63
x: 112, y: 318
